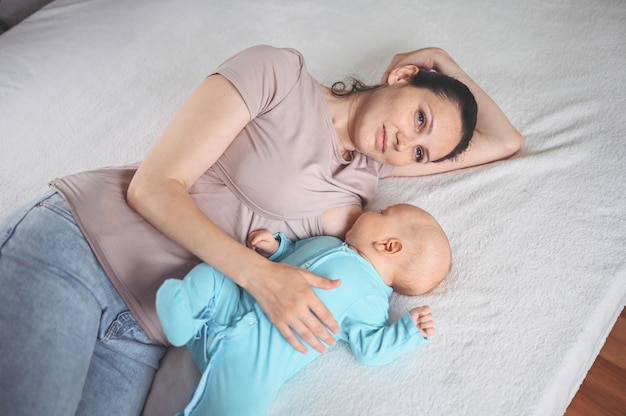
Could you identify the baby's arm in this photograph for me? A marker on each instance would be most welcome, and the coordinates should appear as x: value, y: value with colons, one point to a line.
x: 276, y: 247
x: 372, y: 339
x: 423, y: 319
x: 263, y: 242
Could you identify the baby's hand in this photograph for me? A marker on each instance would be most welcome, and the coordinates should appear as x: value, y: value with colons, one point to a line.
x: 423, y: 319
x: 263, y: 242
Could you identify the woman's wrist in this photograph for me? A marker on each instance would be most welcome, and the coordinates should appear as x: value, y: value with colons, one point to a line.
x: 251, y: 269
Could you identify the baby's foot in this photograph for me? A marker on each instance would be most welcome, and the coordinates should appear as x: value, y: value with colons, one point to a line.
x: 179, y: 321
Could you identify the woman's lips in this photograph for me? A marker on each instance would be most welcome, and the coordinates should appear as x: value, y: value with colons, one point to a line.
x: 381, y: 140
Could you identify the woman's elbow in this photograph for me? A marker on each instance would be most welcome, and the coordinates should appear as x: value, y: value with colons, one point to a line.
x: 134, y: 194
x: 146, y: 193
x: 513, y: 143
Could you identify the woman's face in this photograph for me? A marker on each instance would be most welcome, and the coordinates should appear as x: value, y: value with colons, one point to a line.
x: 400, y: 124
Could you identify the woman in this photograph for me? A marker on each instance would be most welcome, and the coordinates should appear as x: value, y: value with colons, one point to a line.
x: 259, y: 144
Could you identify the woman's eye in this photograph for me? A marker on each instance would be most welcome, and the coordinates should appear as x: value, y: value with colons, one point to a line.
x: 421, y: 119
x: 419, y: 154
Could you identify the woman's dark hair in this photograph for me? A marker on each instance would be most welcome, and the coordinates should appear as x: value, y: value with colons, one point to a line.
x: 441, y: 85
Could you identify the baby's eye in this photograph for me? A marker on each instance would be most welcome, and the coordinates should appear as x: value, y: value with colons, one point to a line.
x: 419, y: 154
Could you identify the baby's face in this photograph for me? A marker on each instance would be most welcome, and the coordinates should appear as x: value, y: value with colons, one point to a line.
x: 376, y: 225
x: 425, y: 258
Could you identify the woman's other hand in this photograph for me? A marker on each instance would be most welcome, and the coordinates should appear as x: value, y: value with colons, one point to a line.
x: 426, y: 58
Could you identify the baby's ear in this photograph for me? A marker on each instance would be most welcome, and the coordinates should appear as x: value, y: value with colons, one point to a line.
x: 390, y: 246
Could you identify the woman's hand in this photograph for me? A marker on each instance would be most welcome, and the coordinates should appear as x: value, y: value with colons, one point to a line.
x: 423, y: 319
x: 426, y: 58
x: 285, y: 295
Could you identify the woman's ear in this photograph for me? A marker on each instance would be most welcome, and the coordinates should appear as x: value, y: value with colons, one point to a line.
x: 402, y: 74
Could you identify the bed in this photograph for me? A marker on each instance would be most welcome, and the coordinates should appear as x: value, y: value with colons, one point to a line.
x: 539, y: 240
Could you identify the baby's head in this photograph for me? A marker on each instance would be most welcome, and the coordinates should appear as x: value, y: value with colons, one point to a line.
x: 406, y: 245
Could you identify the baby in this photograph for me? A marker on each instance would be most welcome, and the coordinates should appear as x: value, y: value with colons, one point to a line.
x: 244, y: 358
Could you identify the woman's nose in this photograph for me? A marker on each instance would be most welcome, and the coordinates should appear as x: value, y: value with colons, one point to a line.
x: 404, y: 141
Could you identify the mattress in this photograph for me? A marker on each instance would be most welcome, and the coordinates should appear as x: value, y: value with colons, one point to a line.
x: 539, y: 239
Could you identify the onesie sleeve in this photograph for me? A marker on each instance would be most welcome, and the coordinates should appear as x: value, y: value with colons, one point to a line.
x: 372, y: 340
x: 285, y: 247
x: 263, y: 75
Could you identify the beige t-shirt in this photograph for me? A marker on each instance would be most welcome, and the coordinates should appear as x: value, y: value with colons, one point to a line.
x: 280, y: 173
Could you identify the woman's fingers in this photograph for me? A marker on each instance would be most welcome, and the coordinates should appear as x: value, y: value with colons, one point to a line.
x: 313, y: 323
x: 291, y: 338
x: 294, y: 308
x: 321, y: 282
x: 310, y: 330
x: 320, y: 310
x: 307, y: 326
x: 320, y: 321
x: 425, y: 58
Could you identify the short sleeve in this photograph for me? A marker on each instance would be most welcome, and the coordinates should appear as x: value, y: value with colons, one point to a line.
x: 263, y: 75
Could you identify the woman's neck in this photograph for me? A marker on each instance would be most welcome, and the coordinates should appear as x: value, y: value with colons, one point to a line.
x: 342, y: 110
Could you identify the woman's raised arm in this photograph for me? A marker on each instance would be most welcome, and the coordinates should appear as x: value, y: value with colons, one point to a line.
x: 194, y: 140
x: 494, y: 138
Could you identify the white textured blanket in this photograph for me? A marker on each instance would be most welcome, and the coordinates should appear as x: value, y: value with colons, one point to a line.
x: 539, y: 240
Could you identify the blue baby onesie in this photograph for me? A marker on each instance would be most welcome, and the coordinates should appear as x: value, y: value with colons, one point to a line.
x: 244, y: 358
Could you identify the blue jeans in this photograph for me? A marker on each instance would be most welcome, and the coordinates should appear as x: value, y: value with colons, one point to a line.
x: 68, y: 344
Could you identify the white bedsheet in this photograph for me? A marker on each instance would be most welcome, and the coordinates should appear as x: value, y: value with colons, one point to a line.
x: 539, y: 240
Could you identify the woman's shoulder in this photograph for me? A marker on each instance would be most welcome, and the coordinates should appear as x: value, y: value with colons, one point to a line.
x: 274, y: 50
x: 267, y: 55
x: 264, y: 75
